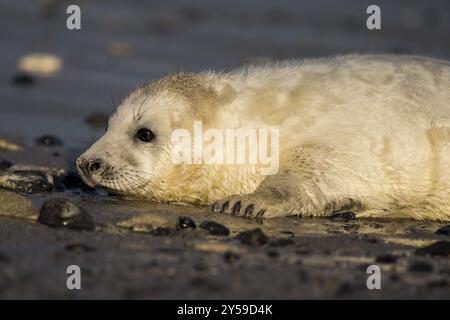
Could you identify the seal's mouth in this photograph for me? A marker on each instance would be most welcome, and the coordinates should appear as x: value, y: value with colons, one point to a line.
x: 120, y: 181
x: 89, y: 181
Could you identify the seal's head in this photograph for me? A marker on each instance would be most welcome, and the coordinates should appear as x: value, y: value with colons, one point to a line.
x: 133, y: 158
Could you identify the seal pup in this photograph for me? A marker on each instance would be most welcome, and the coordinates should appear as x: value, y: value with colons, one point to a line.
x: 367, y: 133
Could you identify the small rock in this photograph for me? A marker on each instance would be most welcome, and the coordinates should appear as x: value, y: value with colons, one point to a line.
x: 215, y: 228
x: 253, y: 237
x: 23, y: 80
x: 4, y: 165
x: 49, y: 141
x: 343, y: 216
x: 420, y: 266
x: 97, y: 120
x: 60, y: 212
x: 439, y: 248
x: 148, y: 222
x: 186, y: 222
x: 9, y: 146
x: 445, y: 230
x: 386, y: 258
x: 40, y: 63
x: 16, y: 206
x: 26, y: 181
x: 231, y: 257
x: 161, y: 232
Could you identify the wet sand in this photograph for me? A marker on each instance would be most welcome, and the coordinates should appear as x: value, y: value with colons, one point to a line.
x: 138, y: 250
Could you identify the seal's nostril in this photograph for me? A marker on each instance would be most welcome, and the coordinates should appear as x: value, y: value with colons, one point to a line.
x: 94, y: 166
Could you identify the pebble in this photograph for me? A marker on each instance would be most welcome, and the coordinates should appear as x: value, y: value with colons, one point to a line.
x: 420, y: 266
x: 23, y: 80
x: 26, y: 181
x: 186, y: 222
x: 9, y: 146
x: 147, y: 223
x: 215, y: 228
x: 97, y: 120
x: 343, y: 216
x: 439, y: 248
x: 49, y: 141
x: 445, y: 230
x: 40, y: 63
x: 60, y: 212
x: 16, y: 206
x: 253, y: 237
x: 386, y: 258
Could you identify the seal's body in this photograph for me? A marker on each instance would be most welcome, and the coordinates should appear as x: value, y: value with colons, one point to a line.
x: 364, y: 133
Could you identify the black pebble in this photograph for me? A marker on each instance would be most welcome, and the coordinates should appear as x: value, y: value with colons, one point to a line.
x: 215, y: 228
x: 445, y: 230
x: 60, y: 212
x: 23, y: 80
x: 161, y: 232
x: 386, y: 258
x: 343, y: 216
x: 440, y: 248
x: 186, y: 222
x: 253, y: 237
x: 4, y: 164
x: 49, y: 141
x: 420, y: 267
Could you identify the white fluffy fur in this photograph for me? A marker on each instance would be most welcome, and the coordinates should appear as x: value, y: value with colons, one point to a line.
x: 372, y: 132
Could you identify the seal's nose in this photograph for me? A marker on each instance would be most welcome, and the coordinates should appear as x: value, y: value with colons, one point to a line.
x: 89, y: 167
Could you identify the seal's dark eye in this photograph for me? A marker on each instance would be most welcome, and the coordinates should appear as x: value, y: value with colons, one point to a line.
x: 145, y: 135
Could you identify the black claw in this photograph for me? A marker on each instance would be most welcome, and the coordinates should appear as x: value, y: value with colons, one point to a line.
x: 261, y: 212
x: 225, y: 206
x: 249, y: 209
x: 236, y: 208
